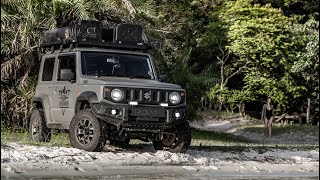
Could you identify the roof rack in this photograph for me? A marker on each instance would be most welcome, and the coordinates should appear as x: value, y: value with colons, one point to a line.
x: 91, y: 33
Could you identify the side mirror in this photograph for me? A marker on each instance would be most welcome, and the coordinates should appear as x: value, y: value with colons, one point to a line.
x: 66, y: 75
x: 162, y: 78
x: 113, y: 61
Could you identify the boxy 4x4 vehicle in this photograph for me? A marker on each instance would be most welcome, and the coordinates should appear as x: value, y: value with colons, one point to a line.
x: 100, y: 84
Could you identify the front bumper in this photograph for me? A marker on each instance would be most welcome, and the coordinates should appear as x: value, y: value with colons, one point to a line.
x: 139, y: 117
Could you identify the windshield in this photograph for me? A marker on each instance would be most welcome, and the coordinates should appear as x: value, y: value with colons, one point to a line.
x: 116, y: 64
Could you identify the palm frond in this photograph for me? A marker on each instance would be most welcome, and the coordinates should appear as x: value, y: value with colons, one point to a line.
x: 9, y: 66
x: 7, y: 19
x: 15, y: 5
x: 79, y: 10
x: 126, y: 4
x: 24, y: 80
x: 103, y: 4
x: 51, y: 22
x: 62, y: 2
x: 145, y: 7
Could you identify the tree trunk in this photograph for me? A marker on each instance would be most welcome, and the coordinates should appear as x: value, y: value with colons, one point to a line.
x: 239, y: 107
x: 243, y: 109
x: 308, y: 111
x: 220, y: 107
x: 226, y: 107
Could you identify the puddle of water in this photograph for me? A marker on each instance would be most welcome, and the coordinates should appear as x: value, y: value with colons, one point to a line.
x: 186, y: 176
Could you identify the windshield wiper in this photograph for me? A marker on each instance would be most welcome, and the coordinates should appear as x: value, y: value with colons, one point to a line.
x: 113, y: 75
x: 141, y: 77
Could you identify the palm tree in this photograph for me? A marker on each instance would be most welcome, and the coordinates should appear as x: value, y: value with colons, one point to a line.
x: 23, y: 21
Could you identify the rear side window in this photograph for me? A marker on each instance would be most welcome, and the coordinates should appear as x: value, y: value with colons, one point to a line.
x: 47, y: 72
x: 67, y: 67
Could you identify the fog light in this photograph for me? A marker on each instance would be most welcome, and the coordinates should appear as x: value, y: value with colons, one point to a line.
x: 113, y: 111
x: 177, y: 115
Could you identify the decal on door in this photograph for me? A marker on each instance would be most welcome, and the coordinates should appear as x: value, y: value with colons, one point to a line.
x: 64, y: 97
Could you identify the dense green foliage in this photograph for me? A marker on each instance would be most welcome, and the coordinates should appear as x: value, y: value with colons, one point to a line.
x: 224, y: 53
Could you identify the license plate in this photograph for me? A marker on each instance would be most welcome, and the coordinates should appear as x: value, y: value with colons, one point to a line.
x: 147, y: 112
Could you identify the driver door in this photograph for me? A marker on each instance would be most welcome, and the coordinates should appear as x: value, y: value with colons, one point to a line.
x: 64, y: 90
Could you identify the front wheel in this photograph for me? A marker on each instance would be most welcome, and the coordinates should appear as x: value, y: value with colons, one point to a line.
x: 87, y: 132
x: 176, y: 140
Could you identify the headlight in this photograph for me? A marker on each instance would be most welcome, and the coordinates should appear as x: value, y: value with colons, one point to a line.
x: 116, y: 95
x: 174, y: 98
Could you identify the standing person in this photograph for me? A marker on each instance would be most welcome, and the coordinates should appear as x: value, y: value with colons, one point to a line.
x: 267, y: 116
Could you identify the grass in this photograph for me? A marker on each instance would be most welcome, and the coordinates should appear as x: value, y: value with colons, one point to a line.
x: 205, y: 138
x: 23, y: 137
x: 201, y: 140
x: 276, y: 130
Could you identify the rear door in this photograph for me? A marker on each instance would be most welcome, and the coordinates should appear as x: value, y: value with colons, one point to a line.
x: 45, y: 84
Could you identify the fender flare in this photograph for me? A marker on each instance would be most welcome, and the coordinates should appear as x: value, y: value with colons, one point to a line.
x: 89, y: 96
x: 45, y: 103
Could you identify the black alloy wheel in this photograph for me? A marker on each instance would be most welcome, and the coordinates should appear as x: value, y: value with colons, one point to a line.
x: 38, y: 129
x: 176, y: 140
x: 87, y: 132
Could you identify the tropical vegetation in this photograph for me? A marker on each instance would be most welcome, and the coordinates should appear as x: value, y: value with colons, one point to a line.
x: 224, y: 53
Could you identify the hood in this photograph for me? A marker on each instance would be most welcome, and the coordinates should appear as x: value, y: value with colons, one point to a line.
x: 127, y: 82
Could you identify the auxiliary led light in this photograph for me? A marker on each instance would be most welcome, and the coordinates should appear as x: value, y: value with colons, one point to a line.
x: 113, y: 111
x: 177, y: 115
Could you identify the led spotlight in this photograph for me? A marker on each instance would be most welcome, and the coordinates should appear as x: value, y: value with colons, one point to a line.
x: 177, y: 115
x: 113, y: 111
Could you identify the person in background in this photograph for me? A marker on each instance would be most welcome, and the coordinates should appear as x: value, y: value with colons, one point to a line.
x: 267, y: 116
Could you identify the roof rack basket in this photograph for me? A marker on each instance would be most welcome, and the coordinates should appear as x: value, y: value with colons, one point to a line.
x: 92, y: 33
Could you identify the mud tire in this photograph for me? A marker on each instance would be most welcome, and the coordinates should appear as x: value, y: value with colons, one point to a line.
x: 38, y: 130
x: 90, y: 137
x: 182, y: 141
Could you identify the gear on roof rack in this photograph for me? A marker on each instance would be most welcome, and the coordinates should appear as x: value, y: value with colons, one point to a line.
x: 92, y: 33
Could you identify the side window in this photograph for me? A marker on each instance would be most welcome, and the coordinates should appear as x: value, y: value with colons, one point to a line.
x: 47, y: 72
x: 67, y: 67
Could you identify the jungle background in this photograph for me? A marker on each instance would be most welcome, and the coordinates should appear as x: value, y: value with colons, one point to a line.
x: 229, y: 55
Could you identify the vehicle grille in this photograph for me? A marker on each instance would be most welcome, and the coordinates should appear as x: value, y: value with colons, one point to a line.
x: 146, y: 96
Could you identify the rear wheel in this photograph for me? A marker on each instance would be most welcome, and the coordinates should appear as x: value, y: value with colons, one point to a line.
x: 38, y: 129
x: 176, y: 140
x: 87, y: 132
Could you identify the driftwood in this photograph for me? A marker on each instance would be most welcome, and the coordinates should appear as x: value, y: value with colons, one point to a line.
x: 280, y: 117
x: 286, y: 117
